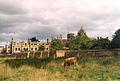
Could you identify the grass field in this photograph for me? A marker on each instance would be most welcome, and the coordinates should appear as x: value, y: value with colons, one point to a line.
x: 89, y: 69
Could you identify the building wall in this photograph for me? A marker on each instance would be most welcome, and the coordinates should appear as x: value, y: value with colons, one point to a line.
x: 18, y: 47
x: 1, y: 50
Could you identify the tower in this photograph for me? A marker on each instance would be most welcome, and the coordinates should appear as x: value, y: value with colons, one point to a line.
x: 29, y: 43
x: 70, y: 36
x: 82, y: 32
x: 12, y: 46
x: 47, y: 41
x: 60, y: 37
x: 6, y: 47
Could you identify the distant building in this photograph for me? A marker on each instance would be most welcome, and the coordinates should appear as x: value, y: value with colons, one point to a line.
x: 70, y: 36
x: 82, y: 32
x: 31, y: 45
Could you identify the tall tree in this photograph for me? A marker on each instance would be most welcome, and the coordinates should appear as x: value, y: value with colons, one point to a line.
x: 116, y: 39
x: 83, y: 42
x: 41, y: 48
x: 56, y: 44
x: 102, y: 43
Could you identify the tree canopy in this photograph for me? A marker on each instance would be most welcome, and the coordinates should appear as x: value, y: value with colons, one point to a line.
x: 116, y: 39
x: 56, y: 44
x: 41, y: 48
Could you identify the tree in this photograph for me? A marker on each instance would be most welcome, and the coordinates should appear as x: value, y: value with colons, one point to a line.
x: 102, y: 43
x: 116, y: 40
x: 56, y: 44
x: 41, y: 48
x: 70, y: 36
x: 83, y: 42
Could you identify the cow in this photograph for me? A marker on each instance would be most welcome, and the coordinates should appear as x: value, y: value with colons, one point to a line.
x: 70, y: 61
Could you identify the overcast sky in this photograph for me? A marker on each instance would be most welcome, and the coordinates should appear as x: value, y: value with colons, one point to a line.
x: 23, y: 19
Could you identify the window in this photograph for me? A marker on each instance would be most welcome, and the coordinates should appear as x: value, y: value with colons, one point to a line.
x: 25, y: 44
x: 31, y: 48
x: 15, y: 49
x: 24, y: 48
x: 19, y: 49
x: 47, y: 48
x: 35, y: 48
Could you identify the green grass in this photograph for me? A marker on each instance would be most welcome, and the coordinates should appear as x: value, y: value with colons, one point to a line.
x: 49, y: 69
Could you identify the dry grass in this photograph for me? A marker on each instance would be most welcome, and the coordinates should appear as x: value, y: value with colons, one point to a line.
x: 89, y: 69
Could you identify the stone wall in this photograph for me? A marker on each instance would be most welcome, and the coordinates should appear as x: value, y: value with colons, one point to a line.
x: 62, y: 53
x: 88, y: 53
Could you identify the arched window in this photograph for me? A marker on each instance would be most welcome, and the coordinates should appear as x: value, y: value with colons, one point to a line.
x: 19, y: 49
x: 15, y: 49
x: 35, y: 48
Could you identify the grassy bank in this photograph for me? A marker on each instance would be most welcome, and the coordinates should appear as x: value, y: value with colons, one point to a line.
x: 89, y: 69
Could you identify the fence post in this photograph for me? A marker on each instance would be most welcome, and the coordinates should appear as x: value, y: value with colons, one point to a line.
x: 33, y: 55
x: 41, y: 55
x: 48, y: 53
x: 28, y: 54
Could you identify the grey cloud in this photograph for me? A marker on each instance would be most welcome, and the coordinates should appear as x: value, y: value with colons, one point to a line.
x: 11, y: 7
x: 43, y: 19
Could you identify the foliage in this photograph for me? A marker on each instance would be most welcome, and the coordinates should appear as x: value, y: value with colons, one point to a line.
x: 85, y: 43
x: 80, y: 43
x: 70, y: 36
x: 56, y: 44
x: 41, y: 48
x: 116, y: 39
x: 102, y: 43
x: 26, y: 50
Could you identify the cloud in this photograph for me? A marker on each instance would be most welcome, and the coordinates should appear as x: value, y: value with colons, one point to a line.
x: 12, y: 7
x: 23, y: 19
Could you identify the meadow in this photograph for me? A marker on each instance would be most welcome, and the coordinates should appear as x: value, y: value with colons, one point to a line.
x: 50, y: 69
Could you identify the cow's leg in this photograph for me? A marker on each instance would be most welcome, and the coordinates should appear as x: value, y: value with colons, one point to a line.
x: 74, y: 63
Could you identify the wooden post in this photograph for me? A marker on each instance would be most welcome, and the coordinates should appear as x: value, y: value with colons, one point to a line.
x: 33, y: 55
x: 48, y: 53
x: 54, y: 55
x: 41, y: 55
x: 28, y: 54
x: 78, y: 55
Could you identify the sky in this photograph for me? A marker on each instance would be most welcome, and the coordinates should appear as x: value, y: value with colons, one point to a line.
x: 23, y: 19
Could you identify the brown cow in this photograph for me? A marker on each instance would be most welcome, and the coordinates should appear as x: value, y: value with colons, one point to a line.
x: 70, y: 61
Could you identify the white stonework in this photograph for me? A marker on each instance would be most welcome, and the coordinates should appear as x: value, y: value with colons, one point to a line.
x: 17, y: 47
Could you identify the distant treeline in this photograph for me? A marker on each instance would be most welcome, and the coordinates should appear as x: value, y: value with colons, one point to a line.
x: 82, y: 42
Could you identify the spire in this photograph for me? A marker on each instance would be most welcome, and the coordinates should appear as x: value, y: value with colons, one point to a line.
x: 12, y: 38
x: 82, y: 32
x: 82, y: 27
x: 60, y: 37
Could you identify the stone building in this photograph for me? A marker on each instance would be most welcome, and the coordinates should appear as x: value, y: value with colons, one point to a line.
x: 31, y: 45
x: 82, y: 32
x: 1, y: 49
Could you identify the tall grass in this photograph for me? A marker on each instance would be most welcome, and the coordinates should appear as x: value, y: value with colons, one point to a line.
x: 49, y: 69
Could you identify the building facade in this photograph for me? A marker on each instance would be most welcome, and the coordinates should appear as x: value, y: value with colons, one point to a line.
x: 1, y: 49
x: 31, y: 45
